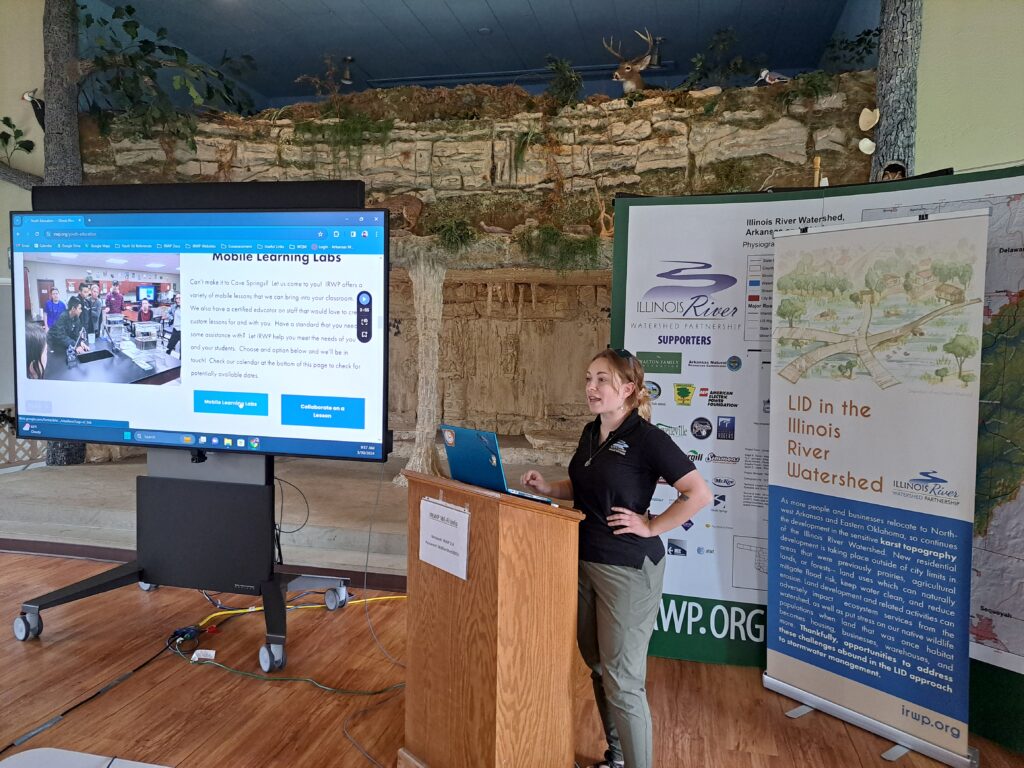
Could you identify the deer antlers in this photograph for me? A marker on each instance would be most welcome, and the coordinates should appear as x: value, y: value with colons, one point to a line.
x: 608, y: 45
x: 647, y: 38
x: 617, y: 52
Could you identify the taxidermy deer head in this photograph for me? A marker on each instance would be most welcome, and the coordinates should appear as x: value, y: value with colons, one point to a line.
x: 629, y: 70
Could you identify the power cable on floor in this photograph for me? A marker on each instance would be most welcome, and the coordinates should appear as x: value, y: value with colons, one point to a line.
x: 99, y: 692
x: 285, y: 678
x: 348, y: 720
x: 316, y: 606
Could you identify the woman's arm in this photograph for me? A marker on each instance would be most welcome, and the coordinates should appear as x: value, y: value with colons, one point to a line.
x: 694, y: 495
x: 560, y: 489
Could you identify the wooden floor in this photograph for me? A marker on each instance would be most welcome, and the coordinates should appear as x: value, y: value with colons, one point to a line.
x: 175, y: 714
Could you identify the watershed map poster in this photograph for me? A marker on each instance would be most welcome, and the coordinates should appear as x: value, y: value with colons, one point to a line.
x: 875, y: 370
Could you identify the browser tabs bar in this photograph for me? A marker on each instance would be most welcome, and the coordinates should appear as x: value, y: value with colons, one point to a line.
x: 362, y: 238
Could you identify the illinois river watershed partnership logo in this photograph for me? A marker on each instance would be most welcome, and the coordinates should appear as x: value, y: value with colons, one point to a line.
x: 689, y: 293
x: 927, y: 486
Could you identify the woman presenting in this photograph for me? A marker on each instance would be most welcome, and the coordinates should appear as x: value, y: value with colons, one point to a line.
x: 612, y: 477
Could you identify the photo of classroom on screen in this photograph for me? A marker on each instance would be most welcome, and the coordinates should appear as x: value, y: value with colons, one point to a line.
x: 103, y: 318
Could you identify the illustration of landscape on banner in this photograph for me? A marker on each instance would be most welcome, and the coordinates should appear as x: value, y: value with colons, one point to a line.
x: 875, y: 382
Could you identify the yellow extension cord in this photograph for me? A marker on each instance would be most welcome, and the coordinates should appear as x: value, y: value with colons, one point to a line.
x: 257, y: 608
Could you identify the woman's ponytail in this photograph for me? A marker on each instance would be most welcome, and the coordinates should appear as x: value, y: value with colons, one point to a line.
x: 643, y: 402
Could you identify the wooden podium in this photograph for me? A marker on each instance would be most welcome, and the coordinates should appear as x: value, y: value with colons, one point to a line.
x: 490, y: 658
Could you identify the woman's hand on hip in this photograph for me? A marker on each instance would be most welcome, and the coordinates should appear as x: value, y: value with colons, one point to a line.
x: 627, y: 521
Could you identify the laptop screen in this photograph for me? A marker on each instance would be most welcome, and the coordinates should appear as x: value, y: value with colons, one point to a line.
x: 473, y: 457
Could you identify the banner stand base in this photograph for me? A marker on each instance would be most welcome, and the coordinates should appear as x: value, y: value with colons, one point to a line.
x: 894, y: 753
x: 970, y: 760
x: 800, y: 711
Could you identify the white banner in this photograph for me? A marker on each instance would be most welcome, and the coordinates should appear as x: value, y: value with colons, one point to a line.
x: 704, y: 357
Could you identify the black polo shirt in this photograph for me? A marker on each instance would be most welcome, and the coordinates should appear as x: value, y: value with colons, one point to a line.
x: 623, y: 472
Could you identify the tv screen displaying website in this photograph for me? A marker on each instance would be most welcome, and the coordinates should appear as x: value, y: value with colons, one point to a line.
x: 255, y: 332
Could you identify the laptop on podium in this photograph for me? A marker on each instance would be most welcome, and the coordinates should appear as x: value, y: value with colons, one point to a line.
x: 474, y: 459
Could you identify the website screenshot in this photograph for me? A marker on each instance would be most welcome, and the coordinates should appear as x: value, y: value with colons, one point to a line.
x: 245, y: 331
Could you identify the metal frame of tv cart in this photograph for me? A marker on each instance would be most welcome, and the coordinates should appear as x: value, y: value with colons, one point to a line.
x: 207, y: 525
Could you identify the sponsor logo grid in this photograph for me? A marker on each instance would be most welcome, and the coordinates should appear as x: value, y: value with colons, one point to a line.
x: 704, y: 386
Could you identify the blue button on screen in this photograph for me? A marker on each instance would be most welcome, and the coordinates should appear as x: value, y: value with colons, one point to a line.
x: 236, y: 403
x: 313, y: 411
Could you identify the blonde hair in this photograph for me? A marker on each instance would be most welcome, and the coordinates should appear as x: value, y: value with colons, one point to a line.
x: 626, y: 368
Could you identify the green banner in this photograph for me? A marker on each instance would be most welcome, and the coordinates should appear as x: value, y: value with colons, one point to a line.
x: 715, y: 631
x: 997, y: 704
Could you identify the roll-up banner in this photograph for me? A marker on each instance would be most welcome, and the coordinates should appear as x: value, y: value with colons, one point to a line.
x: 874, y: 392
x: 706, y: 348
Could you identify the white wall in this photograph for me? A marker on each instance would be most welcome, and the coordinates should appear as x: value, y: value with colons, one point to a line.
x: 970, y: 85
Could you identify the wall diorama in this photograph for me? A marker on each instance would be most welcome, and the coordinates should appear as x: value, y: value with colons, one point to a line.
x: 510, y: 209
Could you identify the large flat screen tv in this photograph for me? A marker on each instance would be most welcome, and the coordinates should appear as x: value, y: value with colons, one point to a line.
x: 268, y: 334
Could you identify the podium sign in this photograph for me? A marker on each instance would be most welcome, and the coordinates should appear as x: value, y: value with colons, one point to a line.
x: 444, y: 536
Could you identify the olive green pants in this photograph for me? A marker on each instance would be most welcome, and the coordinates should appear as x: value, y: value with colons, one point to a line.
x: 617, y: 606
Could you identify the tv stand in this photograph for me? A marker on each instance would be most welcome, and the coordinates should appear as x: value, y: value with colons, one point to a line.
x: 207, y: 525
